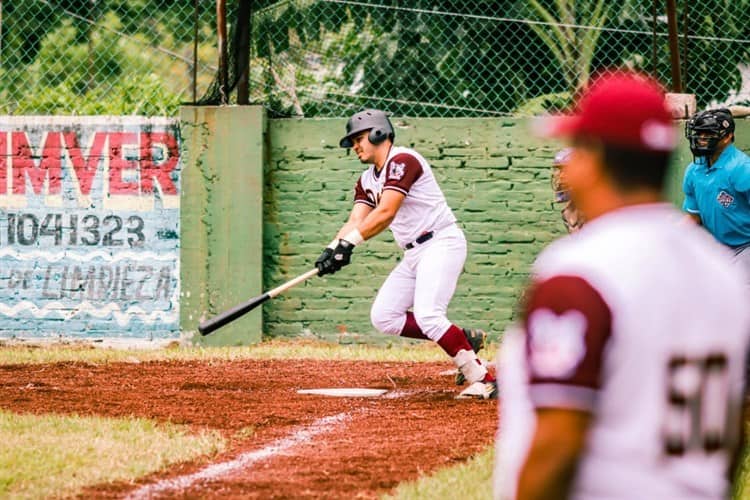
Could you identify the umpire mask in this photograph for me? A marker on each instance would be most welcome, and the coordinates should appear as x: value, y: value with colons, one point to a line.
x: 705, y: 129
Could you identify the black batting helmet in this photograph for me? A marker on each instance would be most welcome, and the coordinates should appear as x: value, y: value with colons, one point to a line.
x: 375, y: 121
x: 705, y: 129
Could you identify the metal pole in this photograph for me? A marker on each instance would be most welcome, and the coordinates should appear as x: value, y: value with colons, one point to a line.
x: 242, y: 59
x: 221, y: 30
x: 685, y: 47
x: 196, y: 18
x: 674, y: 51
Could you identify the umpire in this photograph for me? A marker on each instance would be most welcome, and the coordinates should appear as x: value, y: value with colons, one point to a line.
x: 717, y: 182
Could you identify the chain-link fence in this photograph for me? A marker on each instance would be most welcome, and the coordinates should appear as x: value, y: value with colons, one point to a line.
x: 330, y: 57
x: 104, y: 56
x: 477, y: 58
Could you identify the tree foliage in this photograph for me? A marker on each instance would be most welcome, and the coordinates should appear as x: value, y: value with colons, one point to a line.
x: 102, y: 57
x: 314, y: 58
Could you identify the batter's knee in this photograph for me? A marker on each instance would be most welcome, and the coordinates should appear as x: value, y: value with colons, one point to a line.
x: 432, y: 324
x: 387, y: 321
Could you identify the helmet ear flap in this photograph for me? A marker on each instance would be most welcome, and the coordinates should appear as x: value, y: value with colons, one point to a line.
x: 377, y: 136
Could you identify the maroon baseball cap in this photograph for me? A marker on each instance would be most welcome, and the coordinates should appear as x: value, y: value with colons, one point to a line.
x: 622, y: 108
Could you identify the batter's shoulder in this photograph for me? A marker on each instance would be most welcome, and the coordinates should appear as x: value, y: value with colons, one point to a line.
x: 401, y: 153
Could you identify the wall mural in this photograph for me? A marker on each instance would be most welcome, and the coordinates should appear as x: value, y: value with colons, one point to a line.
x: 89, y: 226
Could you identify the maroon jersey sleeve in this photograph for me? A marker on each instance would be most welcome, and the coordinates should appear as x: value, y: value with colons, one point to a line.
x: 360, y: 195
x: 568, y: 324
x: 402, y: 172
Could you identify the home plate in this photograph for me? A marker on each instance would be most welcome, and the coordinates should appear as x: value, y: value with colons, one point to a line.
x: 345, y: 392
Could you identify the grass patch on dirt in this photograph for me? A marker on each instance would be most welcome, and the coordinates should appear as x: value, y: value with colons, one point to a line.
x: 276, y: 349
x: 742, y: 485
x: 51, y: 455
x: 471, y: 480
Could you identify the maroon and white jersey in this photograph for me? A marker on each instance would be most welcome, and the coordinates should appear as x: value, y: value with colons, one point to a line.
x: 644, y: 323
x: 424, y: 209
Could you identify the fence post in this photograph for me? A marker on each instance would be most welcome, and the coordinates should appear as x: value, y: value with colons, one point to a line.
x: 221, y: 31
x: 242, y: 51
x: 674, y: 51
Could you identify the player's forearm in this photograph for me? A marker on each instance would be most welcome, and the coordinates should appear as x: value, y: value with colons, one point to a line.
x: 376, y: 222
x: 346, y: 229
x: 547, y: 475
x: 553, y: 458
x: 357, y: 215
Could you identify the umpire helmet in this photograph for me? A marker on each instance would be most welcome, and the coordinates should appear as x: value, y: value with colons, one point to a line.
x: 705, y: 129
x: 375, y: 121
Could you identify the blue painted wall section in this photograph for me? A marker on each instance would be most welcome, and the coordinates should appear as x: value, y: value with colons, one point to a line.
x: 89, y: 226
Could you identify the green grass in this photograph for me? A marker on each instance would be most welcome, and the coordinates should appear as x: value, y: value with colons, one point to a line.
x: 468, y: 481
x: 473, y: 481
x: 742, y: 485
x: 419, y: 352
x: 54, y: 455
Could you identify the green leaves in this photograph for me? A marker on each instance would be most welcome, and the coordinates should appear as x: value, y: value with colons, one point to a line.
x: 573, y: 47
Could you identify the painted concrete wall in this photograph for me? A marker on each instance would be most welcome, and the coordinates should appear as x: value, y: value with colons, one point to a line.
x: 89, y: 226
x: 222, y: 218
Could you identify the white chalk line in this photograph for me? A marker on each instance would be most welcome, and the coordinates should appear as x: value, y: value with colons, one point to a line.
x: 214, y: 471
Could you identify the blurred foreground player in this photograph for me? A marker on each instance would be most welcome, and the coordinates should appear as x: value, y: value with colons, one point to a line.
x: 624, y: 378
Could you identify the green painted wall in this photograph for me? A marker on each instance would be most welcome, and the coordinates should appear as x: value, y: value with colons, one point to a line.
x: 496, y: 177
x: 495, y: 174
x: 222, y: 218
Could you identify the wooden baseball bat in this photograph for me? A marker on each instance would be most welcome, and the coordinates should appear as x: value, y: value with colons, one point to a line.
x: 232, y: 314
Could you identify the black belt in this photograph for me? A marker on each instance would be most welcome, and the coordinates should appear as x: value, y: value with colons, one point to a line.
x: 422, y: 238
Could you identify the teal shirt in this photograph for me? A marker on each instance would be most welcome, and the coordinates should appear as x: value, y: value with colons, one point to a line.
x: 721, y: 195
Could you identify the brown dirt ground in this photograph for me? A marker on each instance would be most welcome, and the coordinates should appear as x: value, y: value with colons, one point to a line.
x: 384, y: 441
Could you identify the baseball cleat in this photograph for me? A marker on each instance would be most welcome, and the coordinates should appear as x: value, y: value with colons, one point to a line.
x: 480, y: 390
x: 476, y: 339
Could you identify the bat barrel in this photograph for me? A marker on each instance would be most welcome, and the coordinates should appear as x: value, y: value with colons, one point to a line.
x: 228, y: 316
x: 222, y: 319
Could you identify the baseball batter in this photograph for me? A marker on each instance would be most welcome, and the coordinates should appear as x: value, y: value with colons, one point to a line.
x: 399, y: 191
x: 624, y: 378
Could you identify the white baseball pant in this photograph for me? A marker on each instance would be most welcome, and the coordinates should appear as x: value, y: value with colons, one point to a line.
x: 424, y: 281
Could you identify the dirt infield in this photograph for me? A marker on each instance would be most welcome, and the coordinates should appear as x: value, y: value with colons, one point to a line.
x: 301, y: 446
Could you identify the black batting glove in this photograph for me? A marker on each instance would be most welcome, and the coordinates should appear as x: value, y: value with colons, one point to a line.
x: 342, y: 254
x: 325, y: 263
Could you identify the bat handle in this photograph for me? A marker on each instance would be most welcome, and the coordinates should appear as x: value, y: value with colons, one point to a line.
x: 293, y: 282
